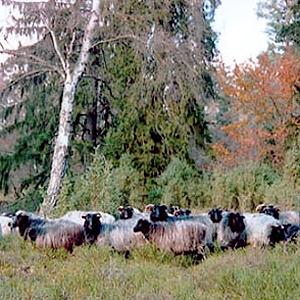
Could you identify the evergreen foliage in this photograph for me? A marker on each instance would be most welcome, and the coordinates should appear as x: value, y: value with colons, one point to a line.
x: 141, y: 99
x: 34, y: 129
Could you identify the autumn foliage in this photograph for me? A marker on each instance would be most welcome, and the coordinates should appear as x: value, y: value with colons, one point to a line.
x: 263, y: 102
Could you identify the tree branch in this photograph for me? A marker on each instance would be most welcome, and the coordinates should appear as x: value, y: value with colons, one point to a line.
x: 57, y: 50
x: 24, y: 76
x: 70, y: 50
x: 37, y: 60
x: 117, y: 38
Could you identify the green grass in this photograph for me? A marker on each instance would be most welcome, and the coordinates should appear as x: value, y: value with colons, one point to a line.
x: 93, y: 273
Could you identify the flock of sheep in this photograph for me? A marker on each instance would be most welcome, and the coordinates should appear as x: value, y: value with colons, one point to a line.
x: 169, y: 228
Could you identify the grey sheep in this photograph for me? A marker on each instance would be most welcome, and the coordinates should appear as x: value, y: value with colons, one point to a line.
x: 180, y: 237
x: 118, y: 235
x: 48, y: 233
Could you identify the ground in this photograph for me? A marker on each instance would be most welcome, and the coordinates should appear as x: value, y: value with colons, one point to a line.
x: 93, y: 273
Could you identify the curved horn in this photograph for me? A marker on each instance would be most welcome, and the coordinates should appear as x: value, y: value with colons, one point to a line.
x: 260, y: 207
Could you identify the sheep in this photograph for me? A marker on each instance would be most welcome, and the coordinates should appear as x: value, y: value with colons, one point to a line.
x: 24, y: 220
x: 231, y: 231
x: 182, y: 212
x: 122, y: 238
x: 172, y: 209
x: 59, y: 234
x: 268, y: 209
x: 180, y: 237
x: 92, y: 227
x: 129, y: 212
x: 290, y: 217
x: 160, y: 213
x: 149, y: 208
x: 263, y: 230
x: 119, y: 235
x: 5, y: 225
x: 285, y: 217
x: 216, y: 215
x: 76, y: 216
x: 49, y: 233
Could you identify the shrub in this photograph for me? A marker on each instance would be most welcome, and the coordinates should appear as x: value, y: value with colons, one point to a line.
x: 181, y: 184
x: 243, y: 187
x: 103, y: 187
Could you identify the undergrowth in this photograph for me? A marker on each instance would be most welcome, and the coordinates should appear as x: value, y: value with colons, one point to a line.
x: 99, y: 273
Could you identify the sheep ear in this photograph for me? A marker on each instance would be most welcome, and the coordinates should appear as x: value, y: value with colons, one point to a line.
x: 120, y: 208
x: 83, y: 217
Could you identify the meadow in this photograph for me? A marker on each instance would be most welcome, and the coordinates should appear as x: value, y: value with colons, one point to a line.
x: 99, y: 273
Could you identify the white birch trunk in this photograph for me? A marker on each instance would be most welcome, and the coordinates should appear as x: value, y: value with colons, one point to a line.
x: 64, y: 131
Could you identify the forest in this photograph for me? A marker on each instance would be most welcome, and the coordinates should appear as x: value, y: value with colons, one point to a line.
x: 119, y: 103
x: 156, y: 118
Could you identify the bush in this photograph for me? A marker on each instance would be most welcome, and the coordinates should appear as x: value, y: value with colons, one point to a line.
x: 181, y: 184
x: 103, y: 187
x: 243, y: 187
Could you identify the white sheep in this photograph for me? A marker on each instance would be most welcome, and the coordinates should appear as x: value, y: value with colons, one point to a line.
x: 5, y: 226
x: 263, y: 230
x: 76, y: 216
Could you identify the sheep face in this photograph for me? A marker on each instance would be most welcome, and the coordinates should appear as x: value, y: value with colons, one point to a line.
x: 268, y: 209
x: 236, y: 222
x: 142, y: 226
x: 215, y: 215
x: 159, y: 213
x: 125, y: 212
x: 172, y: 209
x: 271, y: 211
x: 182, y: 213
x: 149, y: 208
x: 92, y: 226
x: 22, y: 222
x: 92, y: 221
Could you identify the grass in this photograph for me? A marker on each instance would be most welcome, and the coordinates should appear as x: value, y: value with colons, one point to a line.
x: 93, y: 273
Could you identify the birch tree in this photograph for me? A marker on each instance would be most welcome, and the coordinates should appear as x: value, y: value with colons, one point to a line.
x: 60, y: 23
x: 71, y: 80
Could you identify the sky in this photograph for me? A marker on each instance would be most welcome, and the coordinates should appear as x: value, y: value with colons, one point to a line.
x: 241, y: 33
x: 4, y: 17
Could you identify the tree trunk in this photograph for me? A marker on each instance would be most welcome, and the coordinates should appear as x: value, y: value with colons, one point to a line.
x: 59, y: 160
